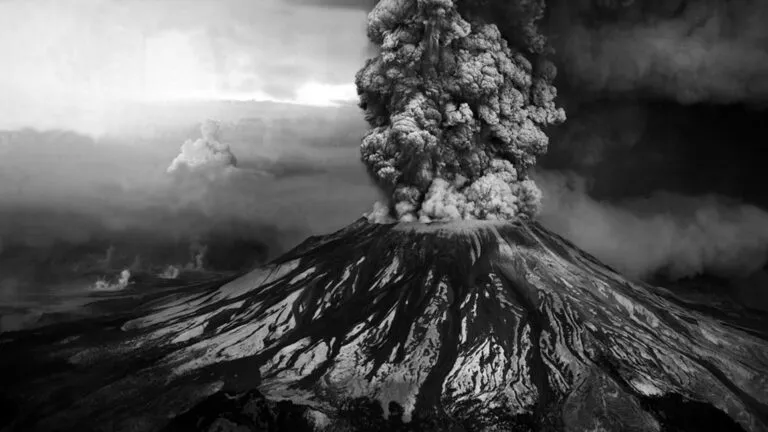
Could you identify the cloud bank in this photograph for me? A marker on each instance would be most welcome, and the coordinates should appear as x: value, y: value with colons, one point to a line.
x: 656, y: 169
x: 65, y: 197
x: 686, y: 50
x: 663, y: 233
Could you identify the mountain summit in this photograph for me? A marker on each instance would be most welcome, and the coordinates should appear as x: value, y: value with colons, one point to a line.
x: 446, y: 326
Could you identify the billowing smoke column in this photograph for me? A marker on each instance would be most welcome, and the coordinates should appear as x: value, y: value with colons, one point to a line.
x: 457, y: 108
x: 206, y: 153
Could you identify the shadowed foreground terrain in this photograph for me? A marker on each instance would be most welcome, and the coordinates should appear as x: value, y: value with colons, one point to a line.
x: 459, y: 326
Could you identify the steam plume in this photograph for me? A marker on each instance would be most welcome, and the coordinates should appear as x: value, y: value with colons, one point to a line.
x: 206, y: 153
x: 170, y: 272
x: 456, y: 108
x: 122, y: 282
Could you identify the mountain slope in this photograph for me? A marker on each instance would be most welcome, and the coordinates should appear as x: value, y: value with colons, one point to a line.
x: 483, y: 326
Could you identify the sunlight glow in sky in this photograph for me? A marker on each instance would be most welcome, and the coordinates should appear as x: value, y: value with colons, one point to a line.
x: 173, y: 71
x: 69, y: 64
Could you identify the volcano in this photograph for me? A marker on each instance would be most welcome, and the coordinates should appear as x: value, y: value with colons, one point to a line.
x: 462, y: 326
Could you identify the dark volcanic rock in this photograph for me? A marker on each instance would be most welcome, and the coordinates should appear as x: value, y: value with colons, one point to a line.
x: 457, y: 327
x: 248, y: 411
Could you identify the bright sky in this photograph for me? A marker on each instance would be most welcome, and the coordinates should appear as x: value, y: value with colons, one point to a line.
x: 77, y: 61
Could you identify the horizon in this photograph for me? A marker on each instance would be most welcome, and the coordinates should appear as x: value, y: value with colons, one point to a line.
x: 633, y: 162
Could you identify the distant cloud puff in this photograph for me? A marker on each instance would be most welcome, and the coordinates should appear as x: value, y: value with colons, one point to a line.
x: 204, y: 153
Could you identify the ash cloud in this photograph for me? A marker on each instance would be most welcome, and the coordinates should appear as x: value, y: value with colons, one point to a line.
x: 663, y: 233
x: 656, y: 169
x: 457, y: 108
x: 686, y: 50
x: 596, y: 131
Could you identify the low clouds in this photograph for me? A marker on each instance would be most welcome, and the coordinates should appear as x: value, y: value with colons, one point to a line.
x: 658, y: 168
x: 666, y: 233
x: 594, y: 131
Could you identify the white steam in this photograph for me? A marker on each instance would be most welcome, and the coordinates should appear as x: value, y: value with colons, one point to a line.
x: 197, y: 251
x: 206, y: 153
x: 170, y: 272
x: 122, y: 282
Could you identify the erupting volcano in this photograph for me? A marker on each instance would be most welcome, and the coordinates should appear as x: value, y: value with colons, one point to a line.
x: 447, y: 308
x: 464, y: 325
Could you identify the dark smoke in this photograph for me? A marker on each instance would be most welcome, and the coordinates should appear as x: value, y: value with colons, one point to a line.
x: 658, y: 169
x: 456, y: 108
x: 65, y: 198
x: 688, y: 50
x: 633, y: 176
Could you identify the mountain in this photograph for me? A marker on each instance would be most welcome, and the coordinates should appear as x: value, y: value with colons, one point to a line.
x: 462, y: 326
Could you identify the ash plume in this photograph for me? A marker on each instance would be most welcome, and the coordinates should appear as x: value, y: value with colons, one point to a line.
x: 649, y: 188
x: 686, y: 50
x: 457, y: 107
x: 170, y: 272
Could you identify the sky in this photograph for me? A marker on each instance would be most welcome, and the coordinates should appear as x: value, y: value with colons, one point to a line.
x: 78, y: 63
x: 99, y: 96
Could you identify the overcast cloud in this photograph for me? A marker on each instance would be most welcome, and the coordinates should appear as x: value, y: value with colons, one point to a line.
x: 72, y: 64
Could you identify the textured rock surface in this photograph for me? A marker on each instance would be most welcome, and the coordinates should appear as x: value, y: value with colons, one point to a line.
x: 460, y: 326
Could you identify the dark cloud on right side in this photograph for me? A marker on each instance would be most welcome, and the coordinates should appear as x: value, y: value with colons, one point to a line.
x: 686, y: 50
x: 663, y: 233
x: 658, y: 169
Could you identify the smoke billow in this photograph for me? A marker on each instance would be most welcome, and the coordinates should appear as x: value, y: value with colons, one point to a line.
x: 456, y: 108
x: 206, y: 153
x: 664, y: 233
x: 689, y: 50
x: 658, y: 171
x: 122, y: 282
x: 197, y: 251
